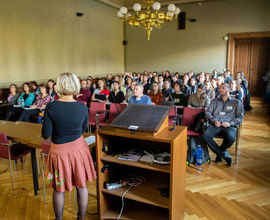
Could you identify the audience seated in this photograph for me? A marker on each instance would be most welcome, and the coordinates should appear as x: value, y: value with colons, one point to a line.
x: 200, y: 99
x: 50, y: 86
x: 56, y: 94
x: 130, y: 90
x: 101, y: 93
x: 224, y: 114
x: 116, y: 96
x: 209, y: 90
x: 139, y: 97
x: 177, y: 96
x: 236, y: 90
x: 25, y: 100
x: 155, y: 94
x: 167, y: 90
x: 192, y: 87
x: 34, y: 87
x: 85, y: 94
x: 39, y: 105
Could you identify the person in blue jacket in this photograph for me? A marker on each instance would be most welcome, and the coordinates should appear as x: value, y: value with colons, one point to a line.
x: 24, y: 101
x: 139, y: 97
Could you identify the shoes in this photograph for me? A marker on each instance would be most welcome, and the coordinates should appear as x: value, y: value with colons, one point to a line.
x: 218, y: 159
x: 226, y: 156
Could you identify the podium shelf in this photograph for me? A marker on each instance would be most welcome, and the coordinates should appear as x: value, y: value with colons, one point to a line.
x: 143, y: 165
x: 148, y: 193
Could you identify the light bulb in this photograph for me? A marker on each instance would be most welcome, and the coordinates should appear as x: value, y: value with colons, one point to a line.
x: 156, y: 6
x: 128, y: 15
x: 137, y: 7
x: 171, y: 7
x: 123, y: 10
x: 177, y: 11
x: 170, y: 13
x: 119, y: 14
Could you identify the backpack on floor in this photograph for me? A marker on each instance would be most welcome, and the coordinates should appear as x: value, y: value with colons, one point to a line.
x: 192, y: 149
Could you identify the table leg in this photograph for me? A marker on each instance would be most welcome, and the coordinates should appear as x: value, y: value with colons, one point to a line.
x: 34, y: 170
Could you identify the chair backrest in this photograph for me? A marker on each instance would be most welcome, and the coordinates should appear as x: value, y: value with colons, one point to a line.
x: 46, y: 146
x: 115, y: 110
x: 94, y: 108
x: 189, y: 115
x: 3, y: 146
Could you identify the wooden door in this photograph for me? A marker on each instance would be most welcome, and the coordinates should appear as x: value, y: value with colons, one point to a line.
x: 260, y: 58
x: 252, y: 57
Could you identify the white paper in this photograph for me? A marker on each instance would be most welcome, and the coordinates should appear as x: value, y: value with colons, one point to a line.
x: 90, y: 140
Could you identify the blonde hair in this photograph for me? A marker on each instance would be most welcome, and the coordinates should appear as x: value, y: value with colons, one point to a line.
x: 68, y: 84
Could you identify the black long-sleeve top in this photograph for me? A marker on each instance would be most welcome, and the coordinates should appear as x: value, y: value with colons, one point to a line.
x: 64, y: 121
x: 118, y: 98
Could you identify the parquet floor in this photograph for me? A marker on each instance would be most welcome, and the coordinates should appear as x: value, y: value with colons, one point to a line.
x: 239, y: 192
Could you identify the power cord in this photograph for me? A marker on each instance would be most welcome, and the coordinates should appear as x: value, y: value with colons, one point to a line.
x: 132, y: 182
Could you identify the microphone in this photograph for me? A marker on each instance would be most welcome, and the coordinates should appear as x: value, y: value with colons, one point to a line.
x: 175, y: 111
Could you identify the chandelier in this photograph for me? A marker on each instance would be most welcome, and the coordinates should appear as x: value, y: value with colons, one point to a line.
x: 143, y: 15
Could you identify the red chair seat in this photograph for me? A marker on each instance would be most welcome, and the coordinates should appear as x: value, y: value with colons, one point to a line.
x: 18, y: 151
x: 193, y: 133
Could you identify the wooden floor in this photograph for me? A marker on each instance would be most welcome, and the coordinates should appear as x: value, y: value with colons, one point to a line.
x: 239, y: 192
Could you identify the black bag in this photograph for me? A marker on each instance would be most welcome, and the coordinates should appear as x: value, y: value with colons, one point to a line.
x: 192, y: 150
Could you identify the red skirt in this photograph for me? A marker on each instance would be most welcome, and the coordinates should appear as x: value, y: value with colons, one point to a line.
x: 70, y: 164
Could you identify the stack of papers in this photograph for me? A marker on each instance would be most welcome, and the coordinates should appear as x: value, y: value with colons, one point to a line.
x: 90, y: 140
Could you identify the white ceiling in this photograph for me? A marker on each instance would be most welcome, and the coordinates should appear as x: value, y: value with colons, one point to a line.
x: 129, y: 3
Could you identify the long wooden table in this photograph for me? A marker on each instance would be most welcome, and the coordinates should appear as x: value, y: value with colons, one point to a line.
x: 29, y: 134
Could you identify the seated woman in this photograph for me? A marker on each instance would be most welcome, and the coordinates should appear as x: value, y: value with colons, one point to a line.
x: 122, y: 86
x: 199, y: 100
x: 209, y: 91
x: 11, y: 100
x: 236, y: 90
x: 35, y: 88
x: 56, y: 94
x: 13, y: 95
x: 101, y: 93
x: 130, y: 90
x: 192, y: 87
x: 25, y: 100
x: 116, y: 96
x: 40, y: 104
x: 155, y: 95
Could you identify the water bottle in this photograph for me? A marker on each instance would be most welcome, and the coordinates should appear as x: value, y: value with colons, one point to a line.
x: 199, y: 156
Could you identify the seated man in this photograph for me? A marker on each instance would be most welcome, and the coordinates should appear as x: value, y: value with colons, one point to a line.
x: 139, y: 97
x: 224, y: 114
x: 84, y: 94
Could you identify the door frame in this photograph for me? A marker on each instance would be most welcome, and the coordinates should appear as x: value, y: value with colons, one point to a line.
x: 231, y: 45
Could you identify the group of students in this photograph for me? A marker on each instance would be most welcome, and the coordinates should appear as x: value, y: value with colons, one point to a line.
x: 30, y: 102
x: 151, y: 88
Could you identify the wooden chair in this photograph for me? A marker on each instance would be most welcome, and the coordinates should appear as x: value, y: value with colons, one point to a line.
x: 236, y: 143
x: 12, y: 151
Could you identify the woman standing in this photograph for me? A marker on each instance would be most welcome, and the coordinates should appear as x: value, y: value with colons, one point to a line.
x: 69, y: 161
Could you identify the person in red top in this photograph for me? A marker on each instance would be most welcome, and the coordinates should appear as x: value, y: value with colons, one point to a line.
x: 84, y: 94
x: 101, y: 93
x: 155, y: 95
x: 56, y: 94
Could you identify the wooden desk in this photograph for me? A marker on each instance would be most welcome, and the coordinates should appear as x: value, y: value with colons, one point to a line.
x: 29, y: 134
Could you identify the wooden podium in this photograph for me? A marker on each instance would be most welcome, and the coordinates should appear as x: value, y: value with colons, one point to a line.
x: 145, y: 201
